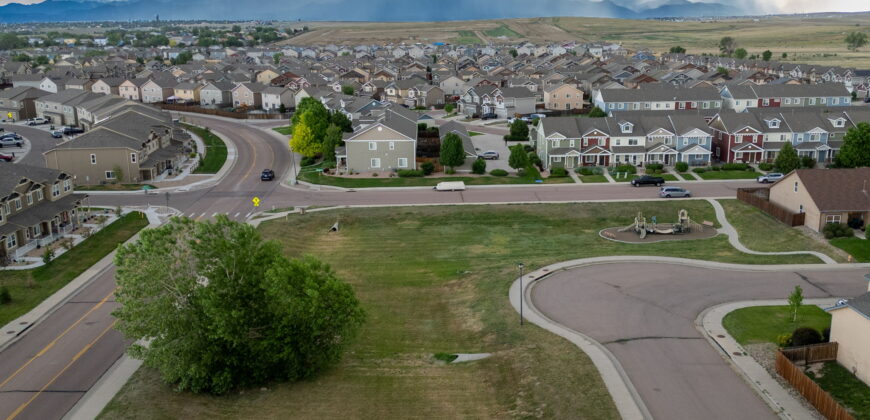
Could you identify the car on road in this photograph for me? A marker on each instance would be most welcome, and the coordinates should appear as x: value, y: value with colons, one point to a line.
x: 771, y: 177
x: 668, y: 192
x: 267, y: 175
x: 648, y: 180
x: 6, y: 158
x: 489, y: 155
x: 489, y: 116
x: 37, y: 121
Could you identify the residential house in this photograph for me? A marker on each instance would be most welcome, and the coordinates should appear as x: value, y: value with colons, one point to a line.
x: 563, y: 96
x: 186, y: 92
x: 158, y: 90
x: 216, y: 94
x: 108, y: 86
x: 850, y: 329
x: 19, y: 103
x: 275, y: 96
x: 61, y: 107
x: 37, y: 206
x: 743, y: 97
x: 248, y: 95
x: 132, y: 88
x: 389, y: 144
x: 824, y: 195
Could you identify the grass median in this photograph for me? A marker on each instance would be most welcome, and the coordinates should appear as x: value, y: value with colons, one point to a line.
x: 287, y: 130
x: 30, y: 287
x: 215, y: 153
x: 763, y: 324
x: 114, y: 187
x: 761, y: 232
x: 385, y: 181
x: 713, y: 175
x: 858, y: 248
x: 435, y: 280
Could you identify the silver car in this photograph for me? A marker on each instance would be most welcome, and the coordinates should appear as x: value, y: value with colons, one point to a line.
x: 489, y: 155
x: 668, y: 192
x: 771, y: 177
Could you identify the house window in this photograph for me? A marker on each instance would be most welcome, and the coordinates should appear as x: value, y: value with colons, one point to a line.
x: 373, y: 145
x: 590, y: 158
x: 392, y: 145
x: 12, y: 241
x: 801, y: 208
x: 403, y: 162
x: 110, y: 175
x: 832, y: 218
x: 17, y: 204
x: 93, y: 159
x: 39, y: 195
x: 795, y: 190
x: 376, y: 163
x: 29, y: 199
x: 67, y: 185
x: 765, y: 102
x: 571, y: 143
x: 55, y: 190
x: 132, y: 158
x: 557, y: 158
x: 618, y: 142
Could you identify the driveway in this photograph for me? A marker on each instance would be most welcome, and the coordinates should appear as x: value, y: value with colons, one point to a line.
x: 644, y: 313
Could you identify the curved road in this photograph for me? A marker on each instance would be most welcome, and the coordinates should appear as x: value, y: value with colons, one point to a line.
x: 644, y: 314
x: 45, y: 372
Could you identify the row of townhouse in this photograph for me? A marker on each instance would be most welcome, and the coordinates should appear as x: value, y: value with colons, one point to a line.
x: 37, y: 205
x: 664, y: 97
x: 634, y: 138
x: 758, y: 135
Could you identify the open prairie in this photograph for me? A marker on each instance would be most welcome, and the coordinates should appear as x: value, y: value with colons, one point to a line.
x: 811, y: 39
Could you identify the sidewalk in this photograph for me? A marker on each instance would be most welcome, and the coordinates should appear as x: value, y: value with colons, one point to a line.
x: 709, y: 323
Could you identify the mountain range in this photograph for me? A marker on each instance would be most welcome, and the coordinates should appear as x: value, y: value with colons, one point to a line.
x: 354, y: 10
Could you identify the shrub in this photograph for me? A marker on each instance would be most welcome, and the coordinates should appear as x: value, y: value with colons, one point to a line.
x: 427, y: 168
x: 498, y: 172
x: 654, y: 166
x: 5, y: 296
x: 735, y: 166
x: 47, y: 255
x: 808, y: 162
x: 681, y: 166
x: 783, y: 340
x: 837, y: 230
x: 626, y: 168
x: 558, y: 172
x: 805, y: 336
x: 699, y: 170
x: 479, y: 166
x: 410, y: 173
x: 764, y: 166
x: 308, y: 160
x: 584, y: 170
x: 716, y: 168
x: 449, y: 171
x: 826, y: 335
x: 375, y: 174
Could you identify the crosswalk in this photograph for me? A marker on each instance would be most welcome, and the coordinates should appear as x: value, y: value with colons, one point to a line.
x: 237, y: 216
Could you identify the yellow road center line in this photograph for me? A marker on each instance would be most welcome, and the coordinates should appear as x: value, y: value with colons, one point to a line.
x: 65, y: 368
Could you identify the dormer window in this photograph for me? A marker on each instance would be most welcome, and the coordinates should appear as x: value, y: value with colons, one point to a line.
x: 774, y: 123
x: 625, y: 127
x: 838, y: 122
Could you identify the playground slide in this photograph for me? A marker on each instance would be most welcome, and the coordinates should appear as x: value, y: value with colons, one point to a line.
x: 664, y: 231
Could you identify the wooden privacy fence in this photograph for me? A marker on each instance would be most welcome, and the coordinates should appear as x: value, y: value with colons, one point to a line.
x: 222, y: 113
x: 824, y: 352
x: 821, y: 400
x: 760, y: 198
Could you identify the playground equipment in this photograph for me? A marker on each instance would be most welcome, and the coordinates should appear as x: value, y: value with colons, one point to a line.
x: 642, y: 227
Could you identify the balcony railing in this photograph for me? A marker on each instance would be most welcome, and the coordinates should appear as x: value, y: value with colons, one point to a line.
x: 22, y: 250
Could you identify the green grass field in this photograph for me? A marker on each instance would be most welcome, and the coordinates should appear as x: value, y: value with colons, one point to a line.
x: 592, y: 179
x: 288, y: 130
x: 858, y: 248
x: 761, y: 232
x: 503, y: 31
x: 30, y: 287
x: 848, y: 390
x: 386, y: 181
x: 466, y: 38
x: 435, y: 280
x: 215, y: 153
x: 728, y: 175
x: 763, y: 324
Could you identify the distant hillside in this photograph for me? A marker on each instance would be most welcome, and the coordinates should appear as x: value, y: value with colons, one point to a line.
x: 349, y: 10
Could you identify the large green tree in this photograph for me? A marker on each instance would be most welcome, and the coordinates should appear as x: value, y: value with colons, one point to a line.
x: 677, y: 50
x: 727, y: 45
x: 330, y: 141
x: 855, y: 151
x: 787, y: 159
x: 221, y: 309
x: 452, y: 153
x: 740, y: 53
x: 11, y: 41
x: 518, y: 158
x: 856, y: 40
x: 341, y: 120
x: 519, y: 130
x: 304, y: 141
x: 766, y: 55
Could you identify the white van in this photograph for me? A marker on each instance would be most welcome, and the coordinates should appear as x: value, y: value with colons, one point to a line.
x: 450, y: 186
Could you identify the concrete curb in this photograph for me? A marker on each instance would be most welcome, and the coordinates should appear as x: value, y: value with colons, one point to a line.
x: 709, y: 323
x: 734, y: 239
x: 625, y: 396
x: 104, y: 390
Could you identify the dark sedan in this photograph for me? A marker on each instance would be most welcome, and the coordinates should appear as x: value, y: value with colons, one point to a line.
x: 267, y: 175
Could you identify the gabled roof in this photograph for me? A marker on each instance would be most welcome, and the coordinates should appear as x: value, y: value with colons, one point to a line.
x: 837, y: 189
x: 860, y: 304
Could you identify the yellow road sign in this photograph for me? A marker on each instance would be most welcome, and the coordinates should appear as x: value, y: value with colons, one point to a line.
x: 9, y: 115
x: 256, y: 201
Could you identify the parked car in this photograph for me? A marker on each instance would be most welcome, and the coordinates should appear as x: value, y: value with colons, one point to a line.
x: 489, y: 155
x: 267, y: 175
x: 450, y: 186
x: 10, y: 141
x: 771, y: 177
x: 14, y: 136
x: 538, y: 116
x: 668, y: 192
x: 38, y: 121
x: 489, y: 116
x: 57, y: 134
x: 72, y: 130
x: 6, y: 158
x: 648, y: 180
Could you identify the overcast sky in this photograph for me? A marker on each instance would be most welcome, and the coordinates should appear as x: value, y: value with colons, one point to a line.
x: 772, y: 6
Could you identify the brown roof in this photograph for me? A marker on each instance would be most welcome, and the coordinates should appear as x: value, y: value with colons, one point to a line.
x: 838, y: 189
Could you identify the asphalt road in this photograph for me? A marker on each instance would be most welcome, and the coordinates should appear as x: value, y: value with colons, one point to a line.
x: 644, y: 314
x: 49, y: 368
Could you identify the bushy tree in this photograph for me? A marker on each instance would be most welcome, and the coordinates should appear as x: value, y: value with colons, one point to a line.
x: 597, y: 112
x: 303, y: 141
x: 449, y: 108
x: 795, y: 300
x: 479, y: 166
x: 855, y: 151
x: 519, y: 130
x: 341, y: 120
x: 11, y: 41
x: 805, y: 336
x: 513, y: 52
x: 787, y: 159
x: 221, y: 309
x: 518, y: 158
x: 330, y: 141
x: 452, y: 153
x: 727, y: 45
x: 347, y: 90
x: 766, y: 55
x: 855, y: 40
x: 677, y: 50
x: 740, y: 53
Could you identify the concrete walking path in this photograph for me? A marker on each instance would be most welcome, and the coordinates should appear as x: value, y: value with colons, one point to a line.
x: 709, y: 323
x: 574, y: 176
x: 734, y: 239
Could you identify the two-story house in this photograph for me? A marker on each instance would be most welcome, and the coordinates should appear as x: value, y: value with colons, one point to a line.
x: 388, y: 144
x: 19, y: 103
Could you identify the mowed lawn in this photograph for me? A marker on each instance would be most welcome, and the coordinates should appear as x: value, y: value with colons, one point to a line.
x: 435, y: 280
x: 30, y: 287
x: 763, y: 324
x: 708, y: 175
x: 286, y: 130
x: 761, y: 232
x: 858, y: 248
x: 386, y: 181
x: 215, y: 154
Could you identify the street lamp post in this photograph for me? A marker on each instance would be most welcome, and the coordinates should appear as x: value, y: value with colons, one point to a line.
x: 521, y: 267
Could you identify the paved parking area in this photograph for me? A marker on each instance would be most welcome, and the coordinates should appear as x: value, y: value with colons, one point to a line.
x: 37, y: 140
